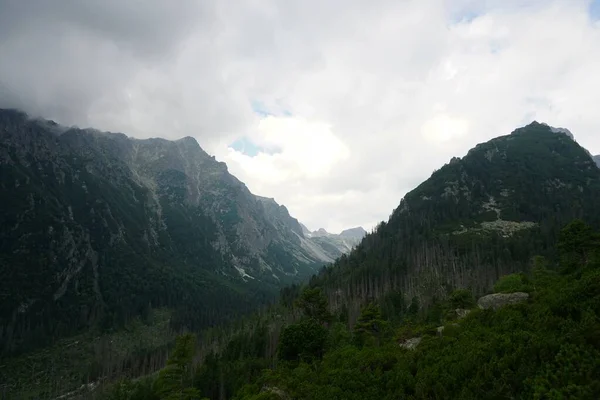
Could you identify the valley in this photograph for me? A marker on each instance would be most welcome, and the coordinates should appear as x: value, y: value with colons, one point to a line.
x: 143, y: 269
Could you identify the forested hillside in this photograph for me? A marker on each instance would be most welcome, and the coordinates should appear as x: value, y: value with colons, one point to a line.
x: 474, y: 220
x: 537, y: 337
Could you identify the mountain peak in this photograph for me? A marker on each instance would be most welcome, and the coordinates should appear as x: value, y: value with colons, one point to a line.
x: 535, y: 125
x: 559, y: 130
x: 188, y: 141
x: 355, y: 233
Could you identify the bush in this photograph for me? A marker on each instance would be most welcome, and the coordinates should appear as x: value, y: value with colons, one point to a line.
x: 304, y: 341
x: 461, y: 298
x: 511, y: 283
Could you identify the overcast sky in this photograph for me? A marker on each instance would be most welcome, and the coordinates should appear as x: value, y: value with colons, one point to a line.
x: 336, y: 108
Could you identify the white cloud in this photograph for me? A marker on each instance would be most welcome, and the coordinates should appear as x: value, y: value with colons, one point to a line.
x: 306, y: 151
x: 380, y: 93
x: 443, y: 128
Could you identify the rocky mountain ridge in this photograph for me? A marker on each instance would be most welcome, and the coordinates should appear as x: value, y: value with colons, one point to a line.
x: 597, y: 160
x: 99, y: 227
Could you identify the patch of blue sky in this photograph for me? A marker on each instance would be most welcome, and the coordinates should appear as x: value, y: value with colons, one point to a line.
x: 247, y: 147
x: 260, y: 108
x: 594, y: 10
x: 464, y: 16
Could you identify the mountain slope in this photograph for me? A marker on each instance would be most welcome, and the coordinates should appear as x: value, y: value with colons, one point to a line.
x: 597, y: 160
x: 99, y: 227
x: 546, y: 346
x: 474, y: 220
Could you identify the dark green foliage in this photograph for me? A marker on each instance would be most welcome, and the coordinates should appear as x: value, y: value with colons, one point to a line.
x: 461, y: 298
x: 305, y: 341
x: 512, y: 283
x: 313, y: 304
x: 393, y: 305
x: 578, y: 245
x: 175, y: 380
x: 132, y: 390
x: 370, y: 325
x: 549, y: 348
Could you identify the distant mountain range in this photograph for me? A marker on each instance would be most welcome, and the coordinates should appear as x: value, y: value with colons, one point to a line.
x: 334, y: 245
x: 98, y: 227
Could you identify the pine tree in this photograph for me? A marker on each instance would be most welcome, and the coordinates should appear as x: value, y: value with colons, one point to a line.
x: 370, y: 324
x: 175, y: 380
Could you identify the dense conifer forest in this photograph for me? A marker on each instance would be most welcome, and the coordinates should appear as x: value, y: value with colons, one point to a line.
x: 546, y: 346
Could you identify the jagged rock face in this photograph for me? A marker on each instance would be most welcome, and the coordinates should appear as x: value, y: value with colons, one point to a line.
x: 499, y: 300
x: 98, y: 225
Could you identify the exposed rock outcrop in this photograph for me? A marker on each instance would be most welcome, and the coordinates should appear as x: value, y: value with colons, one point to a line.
x: 276, y: 391
x: 411, y: 343
x: 499, y: 300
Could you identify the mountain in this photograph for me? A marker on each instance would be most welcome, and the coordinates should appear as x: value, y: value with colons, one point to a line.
x: 475, y: 219
x: 335, y: 245
x: 99, y: 227
x: 354, y: 233
x: 597, y: 160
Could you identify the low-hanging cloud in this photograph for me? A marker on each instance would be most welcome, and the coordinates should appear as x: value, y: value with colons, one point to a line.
x: 362, y: 99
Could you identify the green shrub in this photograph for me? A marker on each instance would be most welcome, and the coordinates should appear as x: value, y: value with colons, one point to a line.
x: 511, y: 283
